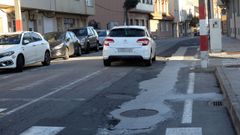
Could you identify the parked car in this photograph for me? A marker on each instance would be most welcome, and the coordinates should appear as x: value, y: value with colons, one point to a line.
x: 88, y: 38
x: 63, y: 44
x: 23, y: 48
x: 102, y: 34
x: 129, y: 42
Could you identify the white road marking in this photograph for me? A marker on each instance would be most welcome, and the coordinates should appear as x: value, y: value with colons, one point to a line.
x: 157, y: 89
x: 34, y: 83
x: 53, y: 92
x: 188, y: 105
x: 184, y: 131
x: 42, y: 130
x: 2, y: 109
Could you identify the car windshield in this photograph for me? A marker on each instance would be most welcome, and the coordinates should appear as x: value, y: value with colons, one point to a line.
x: 127, y: 32
x: 102, y: 33
x: 54, y: 36
x: 80, y: 32
x: 10, y: 39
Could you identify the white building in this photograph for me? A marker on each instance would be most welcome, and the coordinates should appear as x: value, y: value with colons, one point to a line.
x: 46, y: 15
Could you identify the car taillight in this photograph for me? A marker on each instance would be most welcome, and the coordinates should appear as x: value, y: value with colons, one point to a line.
x: 108, y: 41
x: 143, y: 41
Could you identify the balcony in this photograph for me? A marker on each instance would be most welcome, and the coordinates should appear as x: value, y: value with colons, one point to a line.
x: 143, y: 8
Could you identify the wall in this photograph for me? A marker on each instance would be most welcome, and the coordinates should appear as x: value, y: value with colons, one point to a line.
x: 3, y: 22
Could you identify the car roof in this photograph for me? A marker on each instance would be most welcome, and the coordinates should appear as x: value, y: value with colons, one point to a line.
x: 131, y: 26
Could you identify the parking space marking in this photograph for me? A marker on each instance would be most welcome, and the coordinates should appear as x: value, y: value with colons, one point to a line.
x: 188, y: 105
x: 184, y: 131
x: 54, y: 92
x: 42, y: 130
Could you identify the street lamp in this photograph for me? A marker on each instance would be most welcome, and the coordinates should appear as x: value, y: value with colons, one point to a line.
x: 18, y: 15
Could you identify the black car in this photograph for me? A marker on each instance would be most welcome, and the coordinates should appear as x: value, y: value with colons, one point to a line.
x: 88, y: 38
x: 63, y: 44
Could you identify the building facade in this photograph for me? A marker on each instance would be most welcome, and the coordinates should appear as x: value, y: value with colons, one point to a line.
x: 46, y: 15
x: 161, y: 23
x: 183, y: 12
x: 111, y: 12
x: 233, y: 18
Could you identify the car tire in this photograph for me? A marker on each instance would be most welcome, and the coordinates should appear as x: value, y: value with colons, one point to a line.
x: 47, y: 59
x: 19, y: 63
x: 107, y: 63
x: 148, y: 62
x: 97, y: 47
x: 79, y: 51
x: 66, y: 56
x: 87, y: 49
x: 154, y: 58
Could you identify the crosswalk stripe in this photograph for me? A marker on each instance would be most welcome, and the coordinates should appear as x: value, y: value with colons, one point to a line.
x: 184, y: 131
x: 42, y: 130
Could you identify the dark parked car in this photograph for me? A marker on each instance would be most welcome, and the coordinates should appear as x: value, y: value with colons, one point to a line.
x: 63, y: 44
x: 102, y: 34
x: 88, y: 38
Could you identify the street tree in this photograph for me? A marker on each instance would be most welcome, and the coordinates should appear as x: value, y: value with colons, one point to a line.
x: 128, y: 5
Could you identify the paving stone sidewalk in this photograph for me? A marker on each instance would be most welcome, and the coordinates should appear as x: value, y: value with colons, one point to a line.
x: 227, y: 65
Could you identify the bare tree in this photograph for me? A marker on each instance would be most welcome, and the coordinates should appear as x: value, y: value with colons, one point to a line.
x: 128, y: 5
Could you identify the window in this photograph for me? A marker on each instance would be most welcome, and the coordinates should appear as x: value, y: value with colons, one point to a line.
x: 136, y: 22
x: 27, y: 36
x: 143, y: 22
x: 89, y: 3
x: 36, y: 37
x: 90, y: 32
x: 127, y: 32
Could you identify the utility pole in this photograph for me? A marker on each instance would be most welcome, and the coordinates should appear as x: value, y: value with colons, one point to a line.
x: 18, y: 15
x: 203, y: 34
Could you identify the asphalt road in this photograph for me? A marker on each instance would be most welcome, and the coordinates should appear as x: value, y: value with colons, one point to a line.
x: 82, y: 97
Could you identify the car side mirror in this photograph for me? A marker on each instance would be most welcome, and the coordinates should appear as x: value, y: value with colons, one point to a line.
x: 25, y: 42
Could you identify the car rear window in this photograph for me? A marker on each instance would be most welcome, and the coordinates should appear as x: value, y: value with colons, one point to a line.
x: 127, y: 32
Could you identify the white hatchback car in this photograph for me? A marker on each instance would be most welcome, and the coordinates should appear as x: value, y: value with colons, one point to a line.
x: 23, y: 48
x: 129, y: 42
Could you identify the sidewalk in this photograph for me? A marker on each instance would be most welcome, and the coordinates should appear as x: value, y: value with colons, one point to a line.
x: 227, y: 71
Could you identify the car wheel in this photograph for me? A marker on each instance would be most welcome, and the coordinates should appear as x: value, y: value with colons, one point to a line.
x: 87, y: 49
x: 66, y: 54
x: 97, y: 47
x: 79, y: 51
x: 107, y: 63
x: 148, y: 62
x: 19, y: 63
x: 154, y: 58
x: 47, y: 59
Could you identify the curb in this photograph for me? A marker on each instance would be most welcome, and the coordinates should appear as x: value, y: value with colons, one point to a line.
x: 232, y: 102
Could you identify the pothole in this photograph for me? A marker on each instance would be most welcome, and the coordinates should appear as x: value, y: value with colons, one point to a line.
x: 216, y: 103
x: 120, y: 96
x: 139, y: 113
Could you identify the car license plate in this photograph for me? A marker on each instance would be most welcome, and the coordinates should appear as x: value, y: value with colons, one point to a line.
x: 125, y: 50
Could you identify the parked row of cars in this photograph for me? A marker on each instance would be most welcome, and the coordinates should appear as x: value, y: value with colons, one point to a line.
x: 20, y: 49
x: 123, y: 42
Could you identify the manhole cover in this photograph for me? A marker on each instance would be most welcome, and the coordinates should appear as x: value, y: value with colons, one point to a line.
x: 139, y: 113
x: 120, y: 96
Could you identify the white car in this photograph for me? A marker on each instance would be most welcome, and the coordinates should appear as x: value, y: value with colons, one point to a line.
x: 23, y: 48
x: 129, y: 42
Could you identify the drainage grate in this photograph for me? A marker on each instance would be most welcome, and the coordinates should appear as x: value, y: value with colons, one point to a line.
x: 216, y: 103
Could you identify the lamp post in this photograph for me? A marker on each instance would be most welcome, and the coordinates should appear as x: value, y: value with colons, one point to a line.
x: 203, y: 34
x: 18, y: 15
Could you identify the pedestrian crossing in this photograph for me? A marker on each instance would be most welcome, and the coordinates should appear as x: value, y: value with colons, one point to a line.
x: 184, y: 131
x: 42, y: 130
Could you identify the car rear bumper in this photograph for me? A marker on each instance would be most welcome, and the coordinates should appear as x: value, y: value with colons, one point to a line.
x: 136, y: 53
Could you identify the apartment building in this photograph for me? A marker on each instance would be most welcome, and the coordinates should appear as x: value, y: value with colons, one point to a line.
x: 161, y: 23
x: 183, y: 12
x: 110, y: 13
x: 46, y: 15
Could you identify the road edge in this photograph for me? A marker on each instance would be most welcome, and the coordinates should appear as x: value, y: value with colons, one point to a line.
x: 230, y: 98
